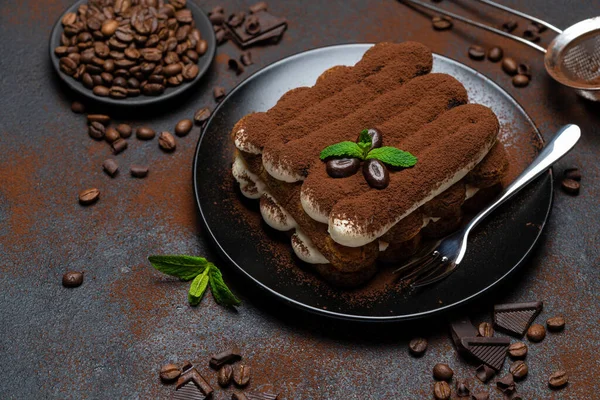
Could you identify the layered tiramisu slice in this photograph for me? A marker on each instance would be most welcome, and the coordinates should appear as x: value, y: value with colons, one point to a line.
x: 369, y: 161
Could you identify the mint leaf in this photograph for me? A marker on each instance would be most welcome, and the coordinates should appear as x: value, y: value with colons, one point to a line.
x: 180, y: 266
x: 393, y: 156
x: 198, y: 287
x: 365, y: 138
x: 220, y: 291
x: 343, y: 149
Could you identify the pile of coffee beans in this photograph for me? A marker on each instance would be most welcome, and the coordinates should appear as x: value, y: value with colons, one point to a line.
x: 125, y: 48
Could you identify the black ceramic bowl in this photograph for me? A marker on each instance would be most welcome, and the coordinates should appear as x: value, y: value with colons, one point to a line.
x: 202, y: 24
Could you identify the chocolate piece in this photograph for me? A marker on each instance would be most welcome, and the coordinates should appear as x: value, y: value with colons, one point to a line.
x: 515, y: 318
x: 252, y: 25
x: 118, y: 146
x: 261, y: 26
x: 480, y: 396
x: 506, y: 384
x: 138, y: 171
x: 225, y: 357
x: 462, y: 389
x: 484, y: 373
x: 342, y: 167
x: 189, y: 391
x: 460, y: 330
x: 193, y: 376
x: 490, y: 351
x: 218, y: 93
x: 186, y: 365
x: 261, y: 396
x: 110, y: 166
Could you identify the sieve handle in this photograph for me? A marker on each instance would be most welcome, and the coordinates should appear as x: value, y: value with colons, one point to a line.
x: 521, y: 14
x: 480, y: 25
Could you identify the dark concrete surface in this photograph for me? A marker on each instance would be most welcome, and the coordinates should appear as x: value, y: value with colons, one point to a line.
x: 108, y: 338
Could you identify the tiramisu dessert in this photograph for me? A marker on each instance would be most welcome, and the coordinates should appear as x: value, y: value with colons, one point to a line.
x: 368, y: 162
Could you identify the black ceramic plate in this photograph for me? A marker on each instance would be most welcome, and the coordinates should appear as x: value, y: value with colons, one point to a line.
x: 235, y: 225
x: 202, y: 24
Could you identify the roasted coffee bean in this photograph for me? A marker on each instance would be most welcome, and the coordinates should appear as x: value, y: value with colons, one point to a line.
x: 153, y: 89
x: 520, y: 80
x: 217, y: 18
x: 510, y: 66
x: 89, y: 196
x: 476, y: 53
x: 175, y: 80
x: 192, y: 55
x: 260, y: 6
x: 182, y: 32
x: 119, y: 81
x: 118, y: 146
x: 570, y: 186
x: 173, y: 69
x: 184, y: 16
x: 558, y: 379
x: 96, y: 130
x: 484, y: 373
x: 69, y: 18
x: 524, y: 69
x: 531, y: 35
x: 118, y: 92
x: 441, y: 390
x: 342, y: 167
x: 246, y: 58
x: 183, y: 127
x: 124, y: 130
x: 202, y: 115
x: 110, y: 166
x: 166, y: 141
x: 97, y: 79
x: 102, y: 118
x: 109, y: 66
x: 510, y: 26
x: 111, y: 134
x: 517, y: 350
x: 556, y: 324
x: 138, y: 171
x: 72, y: 279
x: 101, y: 91
x: 441, y: 23
x: 190, y: 72
x: 480, y: 396
x: 241, y: 375
x: 133, y: 83
x: 417, y: 346
x: 109, y: 27
x: 495, y: 54
x: 252, y: 25
x: 217, y: 10
x: 236, y: 19
x: 536, y: 333
x: 133, y: 92
x: 378, y: 177
x: 225, y: 357
x: 145, y: 133
x: 462, y: 389
x: 442, y: 372
x: 169, y: 372
x: 87, y: 80
x: 77, y: 107
x: 171, y: 58
x: 506, y: 384
x: 485, y: 329
x: 67, y: 65
x: 225, y: 374
x: 201, y: 47
x: 106, y: 78
x: 519, y: 370
x: 61, y: 51
x: 218, y: 93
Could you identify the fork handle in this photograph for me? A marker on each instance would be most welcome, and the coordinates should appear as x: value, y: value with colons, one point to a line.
x: 560, y: 145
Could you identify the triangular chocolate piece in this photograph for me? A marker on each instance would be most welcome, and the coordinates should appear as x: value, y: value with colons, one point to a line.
x: 489, y: 350
x: 193, y: 376
x: 515, y: 318
x: 189, y: 391
x: 461, y: 329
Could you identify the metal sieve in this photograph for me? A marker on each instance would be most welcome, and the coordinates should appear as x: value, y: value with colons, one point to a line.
x: 572, y: 58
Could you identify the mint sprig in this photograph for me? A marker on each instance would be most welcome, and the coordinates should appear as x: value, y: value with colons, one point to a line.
x: 342, y: 149
x: 203, y: 273
x: 393, y: 156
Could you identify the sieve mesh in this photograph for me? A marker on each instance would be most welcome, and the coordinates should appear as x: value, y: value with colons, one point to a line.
x: 581, y: 59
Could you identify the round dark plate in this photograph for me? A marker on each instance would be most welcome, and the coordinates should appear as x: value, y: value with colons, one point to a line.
x: 495, y: 250
x: 202, y: 24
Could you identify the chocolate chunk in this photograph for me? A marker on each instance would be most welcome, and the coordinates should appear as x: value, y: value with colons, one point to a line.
x: 118, y: 146
x: 515, y: 318
x: 506, y: 384
x: 461, y: 329
x: 225, y: 357
x: 236, y: 66
x: 110, y: 166
x: 484, y: 373
x: 572, y: 173
x: 342, y: 167
x: 261, y: 396
x: 260, y: 6
x: 462, y: 389
x: 193, y: 376
x: 271, y: 28
x: 441, y: 23
x: 510, y: 26
x: 480, y: 396
x: 570, y: 186
x: 477, y: 53
x: 139, y: 171
x: 189, y: 391
x: 490, y: 351
x: 246, y: 58
x: 218, y: 93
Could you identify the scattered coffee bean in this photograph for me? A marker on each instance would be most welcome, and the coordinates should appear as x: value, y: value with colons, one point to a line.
x: 111, y: 134
x: 225, y: 374
x: 236, y: 19
x: 506, y: 384
x: 531, y: 35
x: 77, y: 107
x: 517, y: 350
x: 246, y: 58
x: 260, y: 6
x: 88, y: 196
x: 556, y: 324
x: 218, y: 93
x: 484, y: 373
x: 183, y: 127
x: 417, y: 346
x: 537, y: 26
x: 202, y: 115
x: 572, y: 173
x: 118, y: 146
x: 536, y: 333
x: 442, y: 372
x: 145, y: 133
x: 570, y: 186
x: 558, y: 379
x: 495, y: 54
x: 342, y: 167
x: 241, y: 375
x: 462, y: 389
x: 510, y: 26
x: 520, y: 80
x: 477, y: 53
x: 376, y: 138
x: 509, y: 65
x: 96, y: 130
x: 166, y: 141
x: 138, y: 171
x: 485, y: 329
x: 524, y: 69
x: 441, y: 390
x: 378, y: 177
x: 124, y: 130
x: 236, y: 66
x: 519, y: 370
x: 101, y: 118
x: 226, y: 357
x: 238, y: 396
x: 72, y: 279
x: 169, y: 372
x: 110, y: 166
x: 441, y: 23
x: 190, y: 72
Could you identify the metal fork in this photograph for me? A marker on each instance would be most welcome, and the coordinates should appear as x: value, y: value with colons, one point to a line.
x: 450, y: 251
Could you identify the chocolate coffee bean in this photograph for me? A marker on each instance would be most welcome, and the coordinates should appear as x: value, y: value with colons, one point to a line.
x: 89, y: 196
x: 556, y: 324
x: 102, y: 118
x: 183, y: 127
x: 558, y: 379
x: 202, y: 115
x: 417, y: 346
x: 517, y: 350
x: 241, y: 375
x: 169, y: 372
x: 72, y: 279
x: 485, y: 329
x: 145, y: 133
x: 441, y: 23
x: 342, y: 167
x: 570, y: 186
x: 477, y: 53
x: 376, y: 175
x: 572, y: 173
x: 462, y: 389
x: 376, y: 138
x: 77, y: 107
x: 495, y: 54
x: 536, y: 333
x: 224, y: 375
x: 509, y: 65
x: 218, y: 93
x: 96, y: 130
x: 111, y: 134
x: 110, y: 166
x: 118, y: 146
x: 520, y: 80
x: 138, y: 171
x: 166, y: 141
x: 124, y: 130
x: 441, y: 390
x: 519, y: 370
x: 442, y: 372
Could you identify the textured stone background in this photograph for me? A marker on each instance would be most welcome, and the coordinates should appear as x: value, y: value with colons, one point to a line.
x: 108, y: 338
